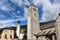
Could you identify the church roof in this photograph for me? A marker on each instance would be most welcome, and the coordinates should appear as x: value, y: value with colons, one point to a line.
x: 32, y: 4
x: 45, y: 32
x: 47, y: 22
x: 46, y: 25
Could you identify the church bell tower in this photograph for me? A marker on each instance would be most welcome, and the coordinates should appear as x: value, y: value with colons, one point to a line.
x: 33, y: 22
x: 18, y: 29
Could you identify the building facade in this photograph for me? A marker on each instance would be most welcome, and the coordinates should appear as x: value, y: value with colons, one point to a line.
x: 6, y: 34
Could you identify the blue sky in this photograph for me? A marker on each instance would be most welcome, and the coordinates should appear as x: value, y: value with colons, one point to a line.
x: 11, y: 10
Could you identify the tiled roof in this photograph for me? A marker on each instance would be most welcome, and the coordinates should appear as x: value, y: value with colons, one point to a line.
x: 45, y: 25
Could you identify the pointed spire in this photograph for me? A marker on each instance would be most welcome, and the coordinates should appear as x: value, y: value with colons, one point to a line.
x: 32, y: 4
x: 18, y: 21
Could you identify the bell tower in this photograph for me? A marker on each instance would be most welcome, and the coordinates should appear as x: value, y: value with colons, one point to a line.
x: 33, y: 22
x: 18, y: 29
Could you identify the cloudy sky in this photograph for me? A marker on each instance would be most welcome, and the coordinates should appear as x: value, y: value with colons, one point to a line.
x: 12, y: 10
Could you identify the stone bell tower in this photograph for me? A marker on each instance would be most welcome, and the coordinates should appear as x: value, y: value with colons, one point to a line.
x: 33, y: 22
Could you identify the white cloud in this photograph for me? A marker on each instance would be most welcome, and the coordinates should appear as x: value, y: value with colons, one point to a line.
x: 21, y: 2
x: 50, y: 11
x: 26, y: 2
x: 10, y: 22
x: 2, y: 16
x: 37, y: 2
x: 7, y: 21
x: 25, y: 11
x: 5, y: 6
x: 21, y: 18
x: 56, y: 1
x: 18, y: 2
x: 7, y: 25
x: 17, y: 16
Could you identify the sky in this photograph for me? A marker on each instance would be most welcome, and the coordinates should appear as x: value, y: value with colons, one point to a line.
x: 12, y: 10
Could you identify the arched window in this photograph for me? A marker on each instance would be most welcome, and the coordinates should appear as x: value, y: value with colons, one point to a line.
x: 34, y: 9
x: 0, y: 36
x: 11, y: 36
x: 5, y: 36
